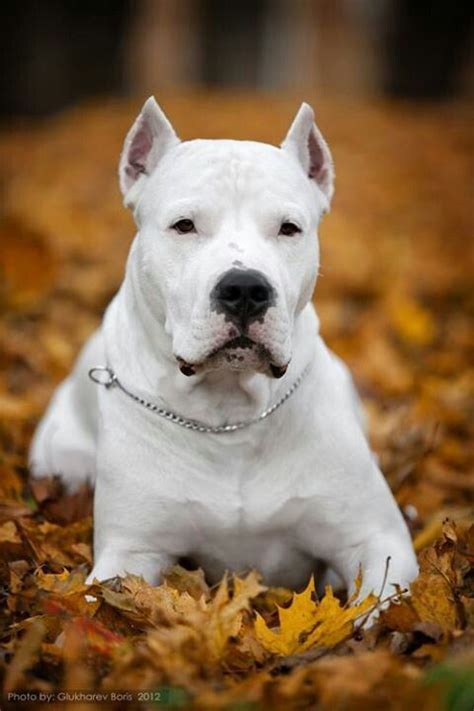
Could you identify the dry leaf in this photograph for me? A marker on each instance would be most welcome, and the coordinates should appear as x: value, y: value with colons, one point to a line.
x: 307, y: 623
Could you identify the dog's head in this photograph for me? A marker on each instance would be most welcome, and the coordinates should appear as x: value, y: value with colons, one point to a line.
x: 227, y: 247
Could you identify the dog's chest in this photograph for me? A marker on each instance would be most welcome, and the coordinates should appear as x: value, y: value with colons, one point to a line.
x: 241, y: 497
x: 234, y: 503
x: 235, y: 497
x: 245, y: 515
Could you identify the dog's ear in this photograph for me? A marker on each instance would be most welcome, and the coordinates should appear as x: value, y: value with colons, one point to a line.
x: 305, y: 142
x: 150, y: 137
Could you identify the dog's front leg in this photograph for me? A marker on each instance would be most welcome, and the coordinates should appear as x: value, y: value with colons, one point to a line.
x: 132, y: 520
x: 385, y: 561
x: 361, y: 530
x: 119, y: 560
x: 127, y: 538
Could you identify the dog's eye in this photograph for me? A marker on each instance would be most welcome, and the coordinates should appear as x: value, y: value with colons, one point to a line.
x: 184, y: 226
x: 289, y: 229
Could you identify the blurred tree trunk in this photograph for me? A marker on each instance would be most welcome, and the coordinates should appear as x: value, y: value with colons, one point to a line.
x: 164, y: 47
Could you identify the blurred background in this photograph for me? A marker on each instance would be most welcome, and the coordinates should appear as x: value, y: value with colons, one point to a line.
x: 57, y: 52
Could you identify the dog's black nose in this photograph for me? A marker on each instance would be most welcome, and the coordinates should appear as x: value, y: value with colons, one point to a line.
x: 243, y: 295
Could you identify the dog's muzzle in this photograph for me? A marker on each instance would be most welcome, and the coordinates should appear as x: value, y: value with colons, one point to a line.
x: 243, y: 296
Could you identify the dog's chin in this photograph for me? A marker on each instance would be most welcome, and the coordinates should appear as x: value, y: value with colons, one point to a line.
x: 238, y: 354
x: 238, y: 359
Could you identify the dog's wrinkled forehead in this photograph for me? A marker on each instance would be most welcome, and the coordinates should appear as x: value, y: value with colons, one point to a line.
x: 222, y: 173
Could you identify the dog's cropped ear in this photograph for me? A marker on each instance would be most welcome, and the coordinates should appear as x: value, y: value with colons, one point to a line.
x: 305, y: 142
x: 150, y: 137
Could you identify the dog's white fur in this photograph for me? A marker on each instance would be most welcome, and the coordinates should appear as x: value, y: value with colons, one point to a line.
x: 298, y: 487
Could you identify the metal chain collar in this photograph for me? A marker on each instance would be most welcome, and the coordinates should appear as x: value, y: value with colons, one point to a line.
x: 95, y: 374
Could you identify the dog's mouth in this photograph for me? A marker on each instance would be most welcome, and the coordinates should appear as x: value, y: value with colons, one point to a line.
x: 239, y: 342
x: 238, y: 353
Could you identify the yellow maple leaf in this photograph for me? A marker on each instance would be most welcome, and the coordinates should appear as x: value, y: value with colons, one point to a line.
x: 307, y: 623
x: 334, y: 622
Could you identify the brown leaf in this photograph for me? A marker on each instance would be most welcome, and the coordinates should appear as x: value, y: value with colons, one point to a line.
x: 25, y: 656
x: 190, y: 581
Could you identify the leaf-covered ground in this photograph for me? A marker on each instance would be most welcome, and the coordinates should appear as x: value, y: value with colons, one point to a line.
x: 394, y: 298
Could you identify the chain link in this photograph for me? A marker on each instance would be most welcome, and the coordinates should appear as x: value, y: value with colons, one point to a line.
x: 96, y: 375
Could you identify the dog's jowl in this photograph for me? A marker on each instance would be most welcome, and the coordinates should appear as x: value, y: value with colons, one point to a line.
x: 207, y: 411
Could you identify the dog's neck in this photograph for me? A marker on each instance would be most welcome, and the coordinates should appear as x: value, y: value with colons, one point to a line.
x: 140, y: 352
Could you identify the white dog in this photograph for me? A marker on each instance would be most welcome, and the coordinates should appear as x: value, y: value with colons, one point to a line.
x: 227, y: 432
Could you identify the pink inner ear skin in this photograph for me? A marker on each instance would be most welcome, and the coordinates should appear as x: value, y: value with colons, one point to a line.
x: 316, y: 168
x: 138, y: 152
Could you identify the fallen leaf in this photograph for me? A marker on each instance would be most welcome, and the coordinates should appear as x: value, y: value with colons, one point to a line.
x: 308, y: 623
x: 25, y: 656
